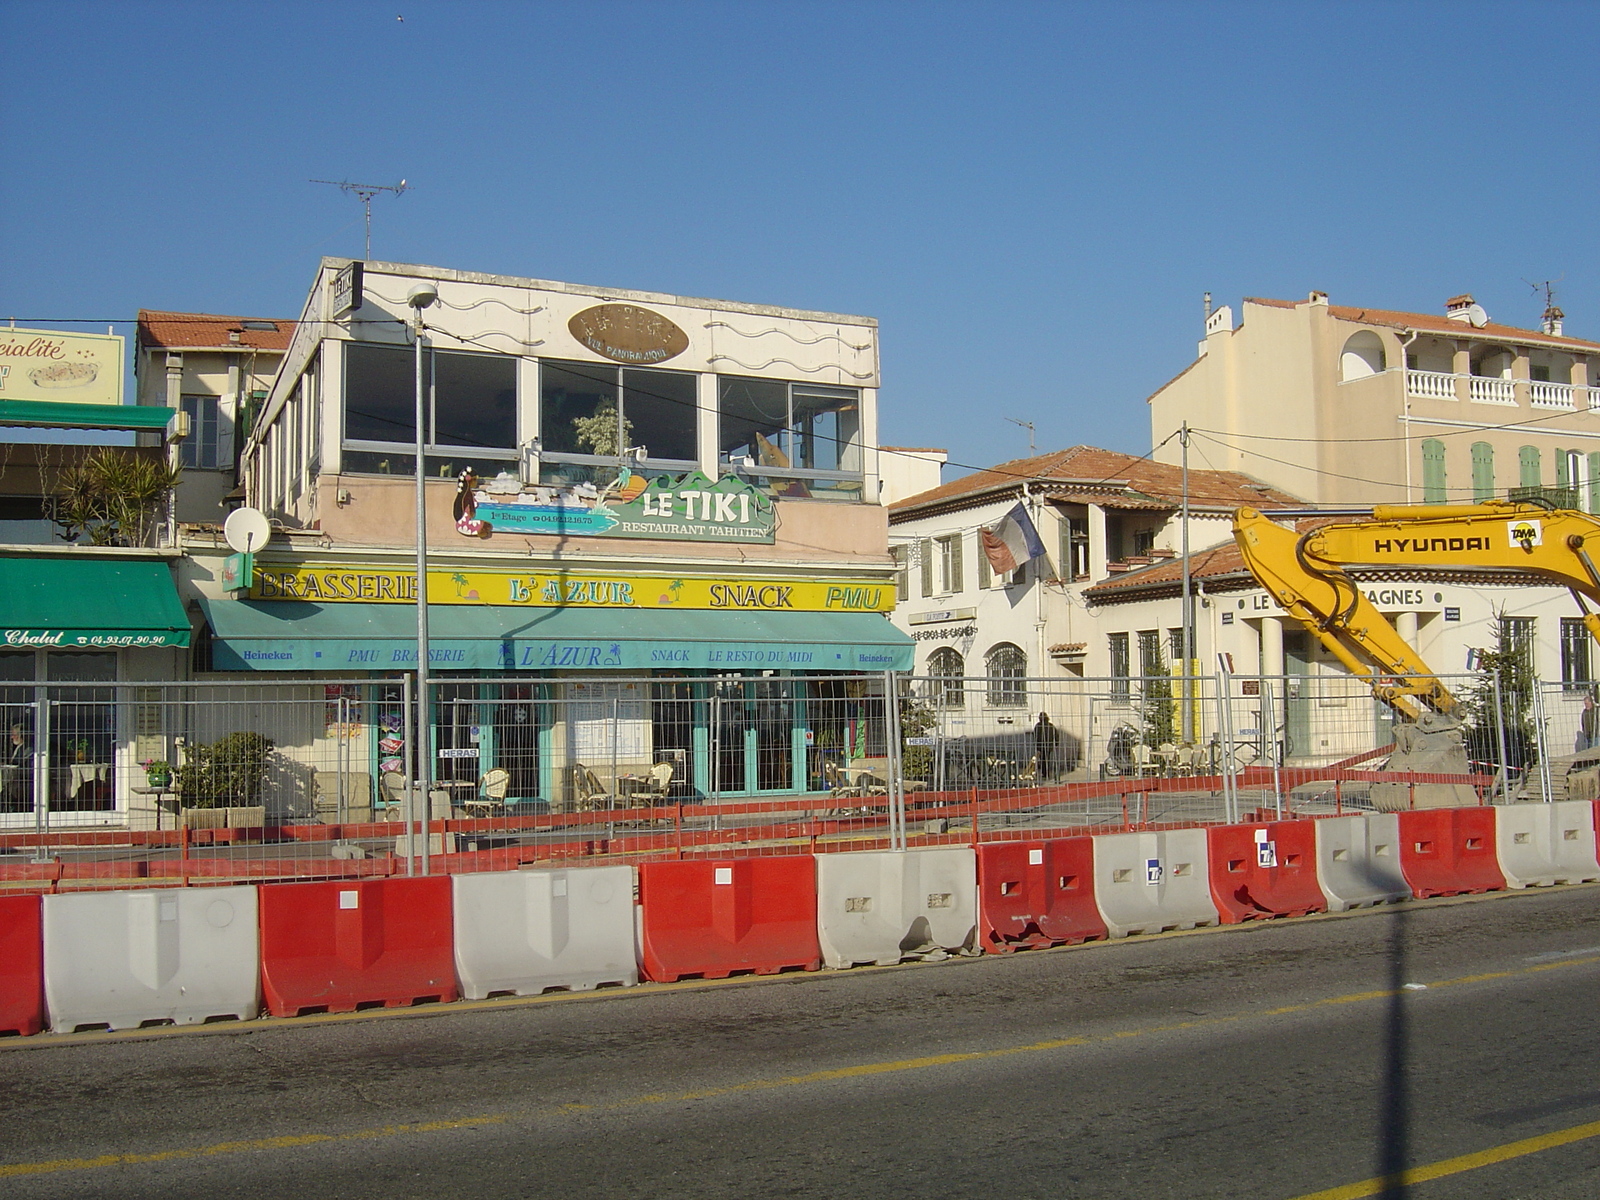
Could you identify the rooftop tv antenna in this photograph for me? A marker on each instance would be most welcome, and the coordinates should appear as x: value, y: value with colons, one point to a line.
x: 365, y: 192
x: 1552, y: 315
x: 1028, y: 425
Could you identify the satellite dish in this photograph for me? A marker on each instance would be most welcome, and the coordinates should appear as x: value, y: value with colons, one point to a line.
x: 247, y: 530
x: 1477, y: 317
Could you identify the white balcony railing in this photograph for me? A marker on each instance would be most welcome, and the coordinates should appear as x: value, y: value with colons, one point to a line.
x: 1483, y: 390
x: 1431, y: 385
x: 1550, y: 395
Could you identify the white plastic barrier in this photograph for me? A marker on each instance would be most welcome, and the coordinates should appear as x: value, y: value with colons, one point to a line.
x: 1358, y: 861
x: 1152, y: 882
x: 883, y: 906
x: 525, y: 932
x: 125, y: 959
x: 1544, y: 844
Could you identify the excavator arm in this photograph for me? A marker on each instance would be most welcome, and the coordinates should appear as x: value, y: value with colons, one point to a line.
x: 1306, y: 574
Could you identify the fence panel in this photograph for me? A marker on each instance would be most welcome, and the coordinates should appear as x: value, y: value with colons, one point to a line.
x: 210, y: 782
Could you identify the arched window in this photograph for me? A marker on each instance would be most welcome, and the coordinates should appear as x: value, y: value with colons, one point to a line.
x: 1482, y: 472
x: 1007, y: 668
x: 1433, y: 490
x: 1363, y: 355
x: 947, y: 678
x: 1528, y: 468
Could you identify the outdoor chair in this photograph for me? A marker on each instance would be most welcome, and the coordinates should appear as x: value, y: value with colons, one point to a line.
x: 491, y: 798
x: 588, y: 793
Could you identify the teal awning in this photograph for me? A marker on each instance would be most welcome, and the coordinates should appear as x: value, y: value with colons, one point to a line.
x: 253, y: 635
x: 46, y: 414
x: 89, y: 602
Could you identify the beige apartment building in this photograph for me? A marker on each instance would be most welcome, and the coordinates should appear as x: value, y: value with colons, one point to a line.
x: 1348, y: 405
x: 216, y: 370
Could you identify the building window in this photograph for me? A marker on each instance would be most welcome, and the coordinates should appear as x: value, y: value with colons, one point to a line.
x: 946, y: 673
x: 1433, y: 487
x: 1528, y: 468
x: 1074, y: 548
x: 1007, y: 668
x: 1175, y: 645
x: 1482, y: 472
x: 1118, y: 645
x: 469, y: 404
x: 1572, y: 472
x: 1520, y: 633
x: 1150, y: 662
x: 1574, y: 653
x: 902, y: 569
x: 590, y: 415
x: 950, y: 568
x: 200, y: 449
x: 802, y: 438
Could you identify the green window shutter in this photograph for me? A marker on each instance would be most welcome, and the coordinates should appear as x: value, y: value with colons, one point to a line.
x: 985, y: 576
x: 1528, y: 471
x: 1594, y: 482
x: 926, y: 547
x: 958, y: 575
x: 1563, y: 475
x: 1433, y: 489
x: 1482, y: 472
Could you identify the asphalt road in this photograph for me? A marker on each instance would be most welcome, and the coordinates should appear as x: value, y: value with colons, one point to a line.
x: 1279, y: 1060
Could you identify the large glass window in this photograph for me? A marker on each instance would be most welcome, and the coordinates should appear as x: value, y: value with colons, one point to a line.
x: 590, y: 415
x: 802, y: 439
x: 470, y: 400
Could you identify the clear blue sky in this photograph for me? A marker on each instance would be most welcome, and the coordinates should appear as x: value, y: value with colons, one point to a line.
x: 1031, y: 198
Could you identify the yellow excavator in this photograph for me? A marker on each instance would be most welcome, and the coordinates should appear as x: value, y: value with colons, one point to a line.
x: 1306, y: 575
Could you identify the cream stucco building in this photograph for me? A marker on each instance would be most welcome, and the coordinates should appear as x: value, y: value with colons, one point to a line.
x: 1351, y: 406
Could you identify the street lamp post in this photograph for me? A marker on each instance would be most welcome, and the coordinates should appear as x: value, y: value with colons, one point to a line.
x: 419, y: 298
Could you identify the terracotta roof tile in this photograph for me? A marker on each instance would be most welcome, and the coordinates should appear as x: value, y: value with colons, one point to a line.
x: 206, y: 330
x: 1212, y: 563
x: 1434, y: 323
x: 1107, y: 477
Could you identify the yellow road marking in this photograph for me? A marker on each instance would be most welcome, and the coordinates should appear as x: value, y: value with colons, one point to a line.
x: 296, y: 1141
x: 1463, y: 1162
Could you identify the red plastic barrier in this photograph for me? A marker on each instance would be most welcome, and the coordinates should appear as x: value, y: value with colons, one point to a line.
x: 719, y: 917
x: 1267, y: 869
x: 1449, y: 851
x: 1033, y: 894
x: 373, y: 943
x: 21, y: 965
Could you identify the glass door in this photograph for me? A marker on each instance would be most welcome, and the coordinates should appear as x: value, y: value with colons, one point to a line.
x: 757, y: 735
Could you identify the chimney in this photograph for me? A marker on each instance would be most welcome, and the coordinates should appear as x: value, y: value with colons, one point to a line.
x: 1457, y: 308
x: 1317, y: 298
x: 233, y: 336
x: 1552, y: 321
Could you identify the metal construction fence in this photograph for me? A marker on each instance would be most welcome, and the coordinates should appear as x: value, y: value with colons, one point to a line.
x: 108, y: 785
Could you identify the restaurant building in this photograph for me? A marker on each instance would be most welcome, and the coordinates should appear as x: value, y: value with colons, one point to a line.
x: 648, y: 519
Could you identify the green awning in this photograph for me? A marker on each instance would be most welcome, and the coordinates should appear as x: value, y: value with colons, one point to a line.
x: 46, y: 414
x: 255, y: 635
x: 81, y: 602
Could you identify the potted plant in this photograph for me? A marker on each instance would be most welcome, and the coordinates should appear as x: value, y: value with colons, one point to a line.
x: 226, y: 777
x: 158, y: 771
x: 79, y: 749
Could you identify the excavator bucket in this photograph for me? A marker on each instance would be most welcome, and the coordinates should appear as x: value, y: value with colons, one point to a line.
x: 1432, y: 745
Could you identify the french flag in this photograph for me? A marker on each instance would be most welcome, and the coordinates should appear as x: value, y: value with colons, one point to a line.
x: 1011, y: 542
